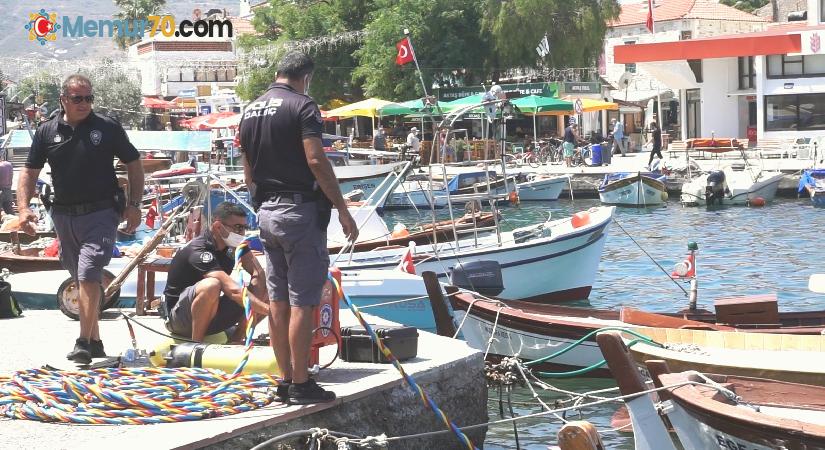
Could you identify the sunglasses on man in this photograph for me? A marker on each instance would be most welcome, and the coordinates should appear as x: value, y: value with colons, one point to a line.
x: 237, y: 228
x: 76, y: 99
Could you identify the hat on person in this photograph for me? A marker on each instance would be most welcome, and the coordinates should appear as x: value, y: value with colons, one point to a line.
x: 413, y: 129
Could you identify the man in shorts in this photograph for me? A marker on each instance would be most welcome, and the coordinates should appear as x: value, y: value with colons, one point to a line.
x: 201, y: 296
x: 295, y: 188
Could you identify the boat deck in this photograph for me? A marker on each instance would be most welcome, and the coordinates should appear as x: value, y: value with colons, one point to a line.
x: 371, y: 397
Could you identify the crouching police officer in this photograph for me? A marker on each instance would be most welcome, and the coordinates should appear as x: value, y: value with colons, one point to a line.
x: 80, y: 147
x: 201, y: 297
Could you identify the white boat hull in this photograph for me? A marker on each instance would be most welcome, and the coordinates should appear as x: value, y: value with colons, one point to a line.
x: 542, y: 189
x: 528, y: 346
x: 561, y: 267
x: 636, y: 191
x: 740, y: 184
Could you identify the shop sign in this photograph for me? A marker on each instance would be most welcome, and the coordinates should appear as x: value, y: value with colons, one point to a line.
x: 548, y: 89
x: 582, y: 88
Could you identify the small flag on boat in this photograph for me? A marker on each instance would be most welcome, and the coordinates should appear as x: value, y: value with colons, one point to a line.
x: 405, y: 52
x: 152, y: 214
x: 649, y: 21
x: 406, y: 264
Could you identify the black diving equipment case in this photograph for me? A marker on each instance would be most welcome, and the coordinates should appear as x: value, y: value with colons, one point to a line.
x: 357, y: 346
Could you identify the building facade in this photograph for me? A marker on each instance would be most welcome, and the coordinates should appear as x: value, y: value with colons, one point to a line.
x: 767, y: 84
x: 674, y: 21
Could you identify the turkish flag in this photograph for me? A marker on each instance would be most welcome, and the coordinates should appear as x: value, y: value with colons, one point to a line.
x: 152, y: 213
x: 649, y: 22
x: 405, y: 53
x: 406, y: 264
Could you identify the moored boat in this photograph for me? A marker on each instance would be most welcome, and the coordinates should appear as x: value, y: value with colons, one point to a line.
x: 637, y: 189
x: 731, y: 187
x: 534, y: 331
x: 812, y: 183
x: 535, y: 187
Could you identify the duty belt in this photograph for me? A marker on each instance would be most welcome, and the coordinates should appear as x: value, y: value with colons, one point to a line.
x: 80, y: 209
x: 294, y: 198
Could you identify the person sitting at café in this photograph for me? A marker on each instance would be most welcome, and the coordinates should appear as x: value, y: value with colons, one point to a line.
x: 201, y: 297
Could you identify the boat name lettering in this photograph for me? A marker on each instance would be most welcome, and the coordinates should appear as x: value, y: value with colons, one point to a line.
x: 726, y: 443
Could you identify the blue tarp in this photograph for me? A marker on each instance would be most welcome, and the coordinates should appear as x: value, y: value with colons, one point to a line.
x: 809, y: 177
x: 185, y: 141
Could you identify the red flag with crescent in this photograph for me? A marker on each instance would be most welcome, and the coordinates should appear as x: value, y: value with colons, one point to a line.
x: 405, y: 53
x: 649, y: 21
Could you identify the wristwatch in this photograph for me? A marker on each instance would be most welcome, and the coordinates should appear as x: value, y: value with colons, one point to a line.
x: 135, y: 204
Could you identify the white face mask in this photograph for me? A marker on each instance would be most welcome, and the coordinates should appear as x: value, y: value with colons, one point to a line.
x: 234, y: 240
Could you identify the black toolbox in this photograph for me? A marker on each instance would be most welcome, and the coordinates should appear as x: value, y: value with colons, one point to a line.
x: 357, y: 346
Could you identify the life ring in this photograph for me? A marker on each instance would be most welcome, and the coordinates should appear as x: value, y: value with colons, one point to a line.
x: 172, y: 172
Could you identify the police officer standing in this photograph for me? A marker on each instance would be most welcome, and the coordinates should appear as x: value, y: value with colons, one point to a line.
x: 80, y: 146
x: 295, y: 188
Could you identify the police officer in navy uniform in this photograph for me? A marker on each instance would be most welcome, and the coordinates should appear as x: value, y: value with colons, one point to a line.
x: 80, y: 146
x: 295, y: 188
x: 201, y: 297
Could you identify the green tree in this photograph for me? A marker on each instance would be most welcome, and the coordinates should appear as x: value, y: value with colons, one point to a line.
x: 287, y: 24
x: 446, y: 39
x: 575, y: 30
x: 43, y: 86
x: 745, y: 5
x: 135, y: 10
x: 117, y: 93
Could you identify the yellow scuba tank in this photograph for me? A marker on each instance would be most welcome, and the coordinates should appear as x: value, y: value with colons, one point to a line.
x: 222, y: 357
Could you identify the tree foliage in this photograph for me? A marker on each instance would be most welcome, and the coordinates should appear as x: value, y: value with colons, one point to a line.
x: 132, y: 10
x: 43, y: 86
x: 746, y: 5
x: 117, y: 94
x: 456, y: 41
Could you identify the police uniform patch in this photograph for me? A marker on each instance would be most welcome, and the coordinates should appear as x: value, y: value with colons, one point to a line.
x: 206, y: 257
x: 318, y: 116
x: 58, y: 138
x: 96, y: 136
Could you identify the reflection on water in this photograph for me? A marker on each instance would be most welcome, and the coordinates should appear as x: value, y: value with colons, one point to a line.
x: 741, y: 251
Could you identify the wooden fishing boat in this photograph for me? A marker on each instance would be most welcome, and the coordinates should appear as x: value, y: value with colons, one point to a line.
x: 423, y: 235
x: 715, y: 411
x: 638, y: 189
x: 23, y: 238
x: 760, y: 413
x: 28, y: 260
x: 533, y: 331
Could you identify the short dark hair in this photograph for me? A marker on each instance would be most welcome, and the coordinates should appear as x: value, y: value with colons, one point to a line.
x: 74, y: 79
x: 295, y: 64
x: 225, y: 210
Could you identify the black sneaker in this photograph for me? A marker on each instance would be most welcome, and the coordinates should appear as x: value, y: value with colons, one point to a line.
x: 96, y: 349
x: 308, y: 393
x: 81, y: 353
x: 282, y: 391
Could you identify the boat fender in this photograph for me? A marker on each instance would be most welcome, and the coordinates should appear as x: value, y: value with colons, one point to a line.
x: 580, y: 219
x: 664, y: 196
x: 757, y: 202
x: 400, y: 230
x: 514, y: 200
x: 483, y: 277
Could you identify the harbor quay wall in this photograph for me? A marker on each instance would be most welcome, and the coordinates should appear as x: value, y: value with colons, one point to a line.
x: 458, y: 388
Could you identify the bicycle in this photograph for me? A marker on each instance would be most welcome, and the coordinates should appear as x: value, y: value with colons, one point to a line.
x: 583, y: 156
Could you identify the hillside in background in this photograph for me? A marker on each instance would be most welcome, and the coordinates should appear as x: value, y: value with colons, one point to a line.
x: 14, y: 38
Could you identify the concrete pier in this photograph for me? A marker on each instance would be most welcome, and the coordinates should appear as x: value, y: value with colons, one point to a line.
x: 372, y: 399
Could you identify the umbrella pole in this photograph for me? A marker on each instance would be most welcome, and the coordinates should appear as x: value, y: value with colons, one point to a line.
x: 535, y: 133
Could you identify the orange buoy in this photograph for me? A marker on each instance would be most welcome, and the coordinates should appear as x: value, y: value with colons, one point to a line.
x: 757, y: 201
x: 514, y: 197
x: 400, y: 230
x: 580, y: 219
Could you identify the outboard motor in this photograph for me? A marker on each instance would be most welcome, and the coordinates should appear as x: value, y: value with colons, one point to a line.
x: 716, y: 188
x: 483, y: 277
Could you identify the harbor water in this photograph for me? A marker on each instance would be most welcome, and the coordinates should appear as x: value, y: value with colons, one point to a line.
x: 742, y: 251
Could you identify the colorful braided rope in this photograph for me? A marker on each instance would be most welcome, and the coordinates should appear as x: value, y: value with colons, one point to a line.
x: 137, y: 396
x: 407, y: 377
x: 133, y: 396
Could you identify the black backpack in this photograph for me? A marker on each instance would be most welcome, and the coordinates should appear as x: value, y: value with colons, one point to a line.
x: 8, y: 305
